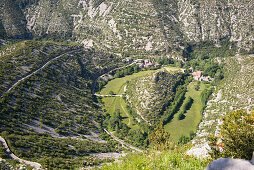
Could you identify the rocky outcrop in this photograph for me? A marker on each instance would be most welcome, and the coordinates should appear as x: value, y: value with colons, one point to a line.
x: 214, y: 20
x: 151, y: 94
x: 231, y: 164
x: 135, y: 27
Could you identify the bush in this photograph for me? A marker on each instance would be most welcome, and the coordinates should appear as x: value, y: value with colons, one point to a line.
x: 111, y: 93
x: 3, y: 154
x: 237, y: 136
x: 204, y: 98
x: 181, y: 116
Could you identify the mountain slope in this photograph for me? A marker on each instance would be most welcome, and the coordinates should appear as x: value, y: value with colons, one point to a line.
x: 144, y: 27
x: 235, y: 92
x: 12, y: 20
x: 46, y: 95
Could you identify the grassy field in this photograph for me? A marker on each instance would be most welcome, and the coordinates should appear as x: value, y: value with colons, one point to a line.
x: 117, y: 85
x: 112, y: 104
x: 157, y: 160
x: 176, y: 127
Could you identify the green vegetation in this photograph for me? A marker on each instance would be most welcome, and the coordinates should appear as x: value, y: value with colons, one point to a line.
x: 54, y: 102
x: 122, y: 118
x: 159, y: 139
x: 236, y: 138
x: 175, y: 105
x: 188, y: 125
x: 3, y: 153
x: 209, y: 50
x: 56, y: 105
x: 186, y: 106
x: 158, y: 160
x: 38, y: 147
x: 117, y: 85
x: 157, y: 91
x: 204, y: 98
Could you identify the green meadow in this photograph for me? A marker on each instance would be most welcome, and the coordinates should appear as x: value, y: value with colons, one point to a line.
x: 175, y: 127
x: 178, y: 128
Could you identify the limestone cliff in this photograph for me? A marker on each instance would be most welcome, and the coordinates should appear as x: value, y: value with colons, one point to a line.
x: 135, y: 27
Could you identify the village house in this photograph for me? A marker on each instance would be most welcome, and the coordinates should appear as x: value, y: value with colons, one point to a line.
x: 147, y: 61
x: 156, y: 65
x: 197, y: 75
x: 140, y: 65
x: 127, y: 60
x: 178, y: 58
x: 148, y: 65
x: 139, y: 61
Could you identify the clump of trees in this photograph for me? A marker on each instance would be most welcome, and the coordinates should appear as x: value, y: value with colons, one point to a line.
x: 159, y: 139
x: 236, y: 138
x: 185, y: 139
x: 186, y: 106
x: 177, y: 102
x: 204, y: 98
x: 137, y: 137
x: 3, y: 154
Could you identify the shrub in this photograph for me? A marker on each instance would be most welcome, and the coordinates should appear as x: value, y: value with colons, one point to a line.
x: 237, y: 136
x: 111, y: 93
x: 181, y: 116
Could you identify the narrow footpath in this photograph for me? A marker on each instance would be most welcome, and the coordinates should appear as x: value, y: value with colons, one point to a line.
x: 39, y: 69
x: 117, y: 139
x: 33, y: 164
x: 122, y: 142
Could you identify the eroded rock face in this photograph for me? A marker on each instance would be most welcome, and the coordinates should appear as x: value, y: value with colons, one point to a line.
x: 216, y: 19
x: 230, y: 164
x: 136, y: 27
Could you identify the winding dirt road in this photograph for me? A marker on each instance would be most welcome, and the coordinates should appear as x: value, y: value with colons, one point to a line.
x: 33, y: 164
x: 39, y: 69
x: 100, y: 95
x: 122, y: 142
x: 117, y: 139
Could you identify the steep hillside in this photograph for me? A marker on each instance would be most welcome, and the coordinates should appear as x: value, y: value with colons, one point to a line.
x: 126, y: 26
x: 133, y: 27
x: 12, y: 20
x: 46, y: 96
x: 235, y: 92
x: 53, y: 51
x: 144, y: 26
x: 150, y: 95
x: 209, y: 20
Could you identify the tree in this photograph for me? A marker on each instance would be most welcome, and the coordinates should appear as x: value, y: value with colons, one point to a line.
x: 159, y: 138
x: 3, y: 154
x: 237, y: 136
x: 111, y: 93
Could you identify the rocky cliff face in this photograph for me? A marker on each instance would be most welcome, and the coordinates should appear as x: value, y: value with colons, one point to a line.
x: 137, y: 27
x: 211, y: 20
